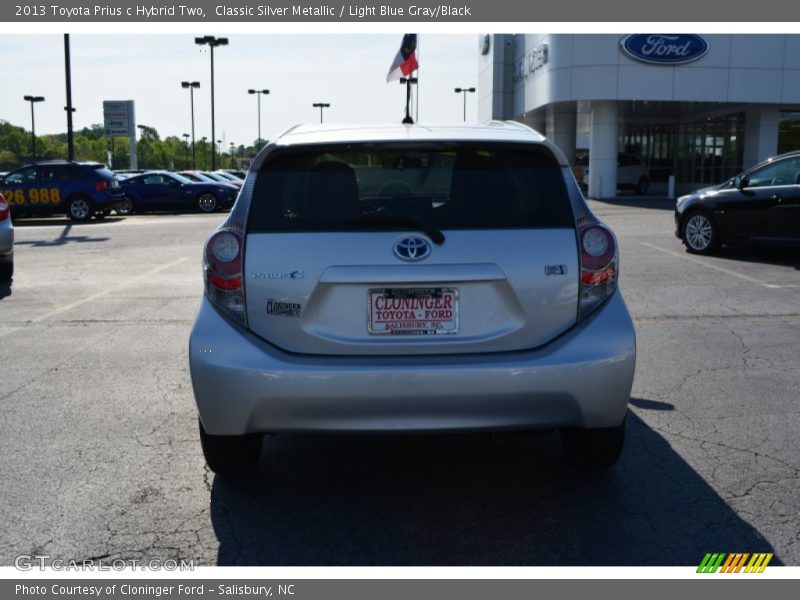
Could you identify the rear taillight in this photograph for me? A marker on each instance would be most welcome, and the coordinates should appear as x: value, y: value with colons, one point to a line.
x: 4, y: 213
x: 222, y: 265
x: 101, y: 186
x: 599, y: 266
x: 598, y: 250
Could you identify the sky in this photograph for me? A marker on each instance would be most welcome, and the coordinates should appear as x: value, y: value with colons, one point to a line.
x: 346, y: 70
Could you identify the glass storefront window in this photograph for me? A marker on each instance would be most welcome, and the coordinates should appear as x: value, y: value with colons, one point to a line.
x: 789, y: 132
x: 700, y: 151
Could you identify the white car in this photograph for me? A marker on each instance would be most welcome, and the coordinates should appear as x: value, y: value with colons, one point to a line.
x: 392, y: 279
x: 632, y: 173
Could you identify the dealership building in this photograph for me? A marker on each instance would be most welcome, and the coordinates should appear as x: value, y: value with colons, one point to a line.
x: 697, y: 107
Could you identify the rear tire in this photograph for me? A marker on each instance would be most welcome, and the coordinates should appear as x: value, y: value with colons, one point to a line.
x: 126, y: 208
x: 642, y: 185
x: 230, y: 454
x: 79, y: 208
x: 207, y: 202
x: 6, y: 271
x: 593, y: 448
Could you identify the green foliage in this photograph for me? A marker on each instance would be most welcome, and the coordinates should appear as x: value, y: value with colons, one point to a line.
x: 91, y: 144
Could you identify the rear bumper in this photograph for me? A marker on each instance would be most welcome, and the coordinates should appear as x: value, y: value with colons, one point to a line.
x: 243, y: 384
x: 6, y: 242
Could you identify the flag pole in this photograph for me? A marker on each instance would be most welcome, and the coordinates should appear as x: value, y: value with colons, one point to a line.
x: 416, y: 100
x: 408, y: 81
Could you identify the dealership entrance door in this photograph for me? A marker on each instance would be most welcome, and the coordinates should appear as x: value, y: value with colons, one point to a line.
x: 700, y: 147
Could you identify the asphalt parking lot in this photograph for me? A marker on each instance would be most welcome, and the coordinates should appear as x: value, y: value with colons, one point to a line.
x: 100, y: 457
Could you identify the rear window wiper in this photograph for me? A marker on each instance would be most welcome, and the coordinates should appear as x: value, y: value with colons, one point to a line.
x: 433, y: 232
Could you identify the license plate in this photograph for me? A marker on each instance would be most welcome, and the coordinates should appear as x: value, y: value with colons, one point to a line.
x: 413, y: 311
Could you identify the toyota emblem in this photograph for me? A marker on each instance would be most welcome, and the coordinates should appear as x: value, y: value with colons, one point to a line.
x: 412, y: 248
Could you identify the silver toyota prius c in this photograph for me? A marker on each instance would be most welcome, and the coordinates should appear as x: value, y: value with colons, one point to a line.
x: 393, y: 278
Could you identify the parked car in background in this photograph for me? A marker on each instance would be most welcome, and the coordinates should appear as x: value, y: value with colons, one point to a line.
x: 6, y: 241
x: 411, y: 279
x: 632, y: 173
x: 236, y: 173
x: 759, y: 206
x: 163, y: 190
x: 125, y: 173
x: 79, y: 189
x: 198, y: 176
x: 208, y: 177
x: 230, y: 177
x: 222, y: 179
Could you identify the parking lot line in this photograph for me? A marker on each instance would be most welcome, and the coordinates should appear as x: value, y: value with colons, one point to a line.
x: 713, y: 266
x: 115, y: 288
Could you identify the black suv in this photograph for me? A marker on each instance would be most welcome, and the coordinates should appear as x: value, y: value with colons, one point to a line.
x: 79, y: 189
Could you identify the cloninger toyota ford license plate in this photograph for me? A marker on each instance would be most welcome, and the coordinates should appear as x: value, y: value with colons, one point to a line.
x: 413, y: 311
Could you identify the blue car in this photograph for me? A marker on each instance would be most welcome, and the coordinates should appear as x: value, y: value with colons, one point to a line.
x: 81, y: 190
x: 163, y: 190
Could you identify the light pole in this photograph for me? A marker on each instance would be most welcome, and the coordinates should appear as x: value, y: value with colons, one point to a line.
x: 233, y: 147
x: 191, y: 85
x: 204, y: 139
x: 185, y: 137
x: 33, y: 100
x: 219, y: 151
x: 142, y: 129
x: 212, y: 42
x: 465, y: 91
x: 69, y: 108
x: 320, y: 106
x: 258, y: 94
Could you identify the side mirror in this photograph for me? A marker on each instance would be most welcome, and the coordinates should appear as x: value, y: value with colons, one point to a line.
x: 741, y: 181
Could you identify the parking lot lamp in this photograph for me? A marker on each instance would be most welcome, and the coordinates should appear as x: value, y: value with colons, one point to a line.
x: 258, y: 94
x: 212, y: 42
x: 464, y: 92
x: 204, y: 140
x: 191, y: 85
x: 320, y: 106
x: 33, y: 100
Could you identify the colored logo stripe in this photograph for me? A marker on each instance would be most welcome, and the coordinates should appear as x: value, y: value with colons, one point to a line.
x: 758, y: 563
x: 711, y: 562
x: 733, y: 562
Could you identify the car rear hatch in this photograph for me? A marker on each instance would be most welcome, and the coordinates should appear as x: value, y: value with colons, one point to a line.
x: 410, y: 248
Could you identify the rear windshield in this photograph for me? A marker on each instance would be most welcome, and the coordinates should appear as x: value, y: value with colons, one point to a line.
x: 377, y: 186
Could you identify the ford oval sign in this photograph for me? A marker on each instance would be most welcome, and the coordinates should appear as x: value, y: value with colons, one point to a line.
x: 665, y: 48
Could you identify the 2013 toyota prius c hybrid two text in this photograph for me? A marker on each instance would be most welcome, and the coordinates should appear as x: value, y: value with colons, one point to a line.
x: 399, y: 278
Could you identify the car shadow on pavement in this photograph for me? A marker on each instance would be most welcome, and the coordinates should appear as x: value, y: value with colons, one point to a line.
x: 656, y: 203
x: 62, y: 221
x: 506, y: 499
x: 5, y: 289
x: 63, y: 238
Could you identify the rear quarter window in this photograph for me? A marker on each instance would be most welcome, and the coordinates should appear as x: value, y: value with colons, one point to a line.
x: 449, y: 185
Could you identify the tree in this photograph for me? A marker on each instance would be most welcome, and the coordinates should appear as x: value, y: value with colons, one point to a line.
x: 92, y: 144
